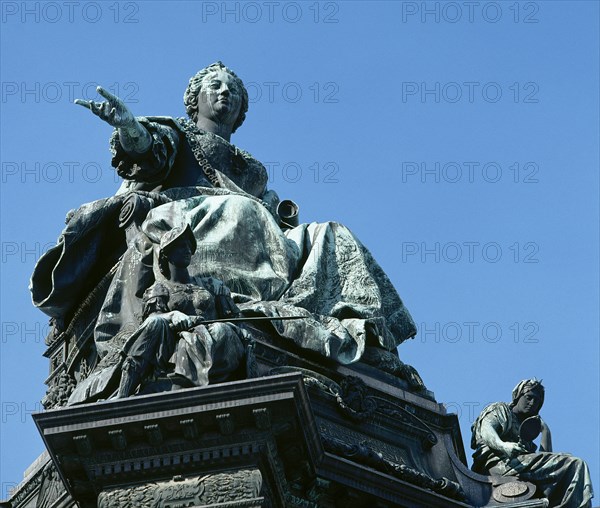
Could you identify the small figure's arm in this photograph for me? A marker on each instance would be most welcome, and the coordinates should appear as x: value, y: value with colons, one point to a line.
x: 546, y: 439
x: 178, y: 321
x: 489, y: 435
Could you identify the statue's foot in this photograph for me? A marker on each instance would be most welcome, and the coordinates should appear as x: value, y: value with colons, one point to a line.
x: 179, y: 382
x: 410, y: 374
x: 389, y: 362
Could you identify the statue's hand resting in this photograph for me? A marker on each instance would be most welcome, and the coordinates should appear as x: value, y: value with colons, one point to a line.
x: 113, y: 111
x: 513, y: 449
x: 180, y: 321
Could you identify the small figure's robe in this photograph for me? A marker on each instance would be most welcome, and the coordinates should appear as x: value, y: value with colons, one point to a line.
x: 563, y: 479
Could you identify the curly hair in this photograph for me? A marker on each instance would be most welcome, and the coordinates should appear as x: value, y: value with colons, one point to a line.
x: 190, y: 97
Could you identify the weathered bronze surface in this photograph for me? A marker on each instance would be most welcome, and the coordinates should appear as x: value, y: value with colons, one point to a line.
x: 184, y: 173
x: 503, y: 442
x: 275, y: 340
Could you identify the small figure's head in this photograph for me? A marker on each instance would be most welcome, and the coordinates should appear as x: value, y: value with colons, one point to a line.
x: 528, y: 397
x: 216, y: 90
x: 176, y: 247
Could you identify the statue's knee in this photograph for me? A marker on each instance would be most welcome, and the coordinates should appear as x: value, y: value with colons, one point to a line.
x: 227, y: 348
x: 155, y: 322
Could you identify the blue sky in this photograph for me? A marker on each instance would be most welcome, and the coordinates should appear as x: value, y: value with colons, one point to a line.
x: 460, y: 144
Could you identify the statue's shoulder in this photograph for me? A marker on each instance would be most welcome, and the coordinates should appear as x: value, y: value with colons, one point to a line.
x: 499, y: 412
x: 496, y: 406
x: 496, y: 409
x: 249, y: 157
x: 169, y: 121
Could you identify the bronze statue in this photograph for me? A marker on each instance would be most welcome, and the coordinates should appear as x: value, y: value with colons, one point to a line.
x: 186, y: 171
x: 503, y: 437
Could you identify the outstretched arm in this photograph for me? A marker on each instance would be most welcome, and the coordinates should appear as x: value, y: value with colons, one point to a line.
x: 133, y: 136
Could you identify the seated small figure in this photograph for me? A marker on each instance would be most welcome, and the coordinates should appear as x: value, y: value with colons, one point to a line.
x: 173, y: 343
x: 503, y: 442
x: 172, y: 339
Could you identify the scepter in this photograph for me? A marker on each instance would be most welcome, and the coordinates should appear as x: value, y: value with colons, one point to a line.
x: 200, y: 321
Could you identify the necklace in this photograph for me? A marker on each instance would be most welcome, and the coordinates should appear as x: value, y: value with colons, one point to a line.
x: 192, y: 132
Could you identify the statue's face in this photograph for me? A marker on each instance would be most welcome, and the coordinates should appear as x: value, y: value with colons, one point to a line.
x: 179, y: 253
x: 220, y: 98
x: 528, y: 404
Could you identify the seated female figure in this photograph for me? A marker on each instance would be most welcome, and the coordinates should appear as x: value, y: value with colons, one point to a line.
x: 190, y: 173
x: 172, y: 339
x: 502, y: 448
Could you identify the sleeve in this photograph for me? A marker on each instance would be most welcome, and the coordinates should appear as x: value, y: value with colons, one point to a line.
x: 154, y: 165
x: 223, y: 301
x: 497, y: 415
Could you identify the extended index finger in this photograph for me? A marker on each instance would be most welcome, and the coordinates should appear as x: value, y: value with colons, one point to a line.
x: 107, y: 95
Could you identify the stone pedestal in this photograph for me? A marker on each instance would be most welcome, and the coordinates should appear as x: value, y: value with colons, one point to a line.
x: 221, y: 445
x: 302, y: 433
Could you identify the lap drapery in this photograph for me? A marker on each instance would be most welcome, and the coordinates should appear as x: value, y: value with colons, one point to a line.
x: 563, y: 479
x: 320, y: 270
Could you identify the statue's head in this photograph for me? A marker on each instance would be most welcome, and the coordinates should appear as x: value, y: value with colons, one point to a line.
x: 176, y: 247
x: 528, y: 397
x: 192, y: 92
